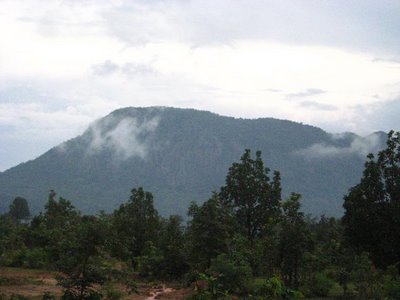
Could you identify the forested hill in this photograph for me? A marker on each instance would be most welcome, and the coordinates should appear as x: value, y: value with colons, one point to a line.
x: 182, y: 155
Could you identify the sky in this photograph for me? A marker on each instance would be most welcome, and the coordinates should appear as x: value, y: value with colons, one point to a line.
x: 63, y: 64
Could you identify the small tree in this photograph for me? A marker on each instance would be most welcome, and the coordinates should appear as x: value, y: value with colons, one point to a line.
x: 80, y: 271
x: 134, y: 224
x: 172, y: 243
x: 19, y: 209
x: 211, y: 226
x: 295, y: 239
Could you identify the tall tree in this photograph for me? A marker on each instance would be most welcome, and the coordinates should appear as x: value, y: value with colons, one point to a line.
x: 372, y: 207
x: 248, y: 190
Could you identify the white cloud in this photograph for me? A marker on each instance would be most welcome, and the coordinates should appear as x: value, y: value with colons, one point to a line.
x: 128, y: 138
x: 360, y: 146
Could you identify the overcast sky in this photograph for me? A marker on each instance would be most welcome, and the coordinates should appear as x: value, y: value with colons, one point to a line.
x: 333, y: 64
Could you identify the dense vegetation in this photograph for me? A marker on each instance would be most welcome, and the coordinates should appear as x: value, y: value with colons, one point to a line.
x: 185, y: 157
x: 245, y: 242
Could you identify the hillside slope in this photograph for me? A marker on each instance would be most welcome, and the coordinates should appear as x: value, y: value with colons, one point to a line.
x: 182, y: 155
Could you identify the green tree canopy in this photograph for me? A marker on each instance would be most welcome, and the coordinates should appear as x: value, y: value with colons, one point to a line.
x: 248, y: 190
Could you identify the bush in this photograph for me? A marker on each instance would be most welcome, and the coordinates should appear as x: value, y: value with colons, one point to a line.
x: 35, y: 258
x: 231, y: 276
x: 392, y: 283
x: 112, y: 293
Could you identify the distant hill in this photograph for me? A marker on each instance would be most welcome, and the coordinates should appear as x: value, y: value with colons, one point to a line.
x: 182, y: 155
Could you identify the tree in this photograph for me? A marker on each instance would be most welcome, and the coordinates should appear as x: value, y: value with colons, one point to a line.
x: 19, y: 209
x: 11, y: 236
x: 134, y: 224
x: 372, y: 207
x: 48, y: 229
x: 248, y: 191
x: 78, y: 262
x: 211, y: 226
x: 295, y: 239
x: 172, y: 243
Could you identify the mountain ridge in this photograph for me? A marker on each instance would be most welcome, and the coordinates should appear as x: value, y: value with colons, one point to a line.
x: 184, y: 154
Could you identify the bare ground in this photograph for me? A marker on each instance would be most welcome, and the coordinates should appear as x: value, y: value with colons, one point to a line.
x: 34, y: 283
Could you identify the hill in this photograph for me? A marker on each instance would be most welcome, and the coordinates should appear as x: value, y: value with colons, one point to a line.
x: 181, y: 155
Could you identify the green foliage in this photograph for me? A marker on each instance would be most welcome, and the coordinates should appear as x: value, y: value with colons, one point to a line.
x: 209, y: 230
x: 372, y: 207
x: 391, y: 282
x: 19, y: 209
x: 367, y: 279
x: 232, y: 275
x: 254, y: 199
x: 172, y: 241
x: 207, y: 287
x: 295, y: 240
x: 81, y: 272
x: 272, y: 289
x: 11, y: 241
x: 134, y: 224
x: 35, y: 258
x: 149, y: 264
x: 319, y: 284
